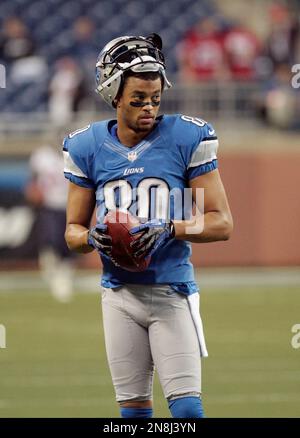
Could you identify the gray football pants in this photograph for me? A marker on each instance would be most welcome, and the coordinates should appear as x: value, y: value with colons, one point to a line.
x: 147, y: 326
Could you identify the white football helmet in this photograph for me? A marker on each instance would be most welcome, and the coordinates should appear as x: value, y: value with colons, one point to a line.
x: 136, y: 53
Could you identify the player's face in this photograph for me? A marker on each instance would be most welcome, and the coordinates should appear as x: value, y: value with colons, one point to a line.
x: 139, y: 104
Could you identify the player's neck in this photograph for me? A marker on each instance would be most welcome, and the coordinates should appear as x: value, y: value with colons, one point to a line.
x: 131, y: 139
x: 128, y: 137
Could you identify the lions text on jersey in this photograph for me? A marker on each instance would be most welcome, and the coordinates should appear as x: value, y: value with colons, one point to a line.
x: 147, y: 180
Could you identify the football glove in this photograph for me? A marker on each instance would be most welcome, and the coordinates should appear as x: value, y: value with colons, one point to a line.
x: 102, y: 242
x: 154, y: 234
x: 98, y: 239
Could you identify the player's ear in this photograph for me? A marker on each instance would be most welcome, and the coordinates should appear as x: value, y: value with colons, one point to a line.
x: 116, y: 102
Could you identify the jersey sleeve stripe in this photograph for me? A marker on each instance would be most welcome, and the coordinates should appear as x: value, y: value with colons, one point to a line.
x: 78, y: 131
x: 193, y: 172
x: 205, y: 152
x: 71, y: 167
x: 200, y: 163
x: 209, y: 138
x: 82, y: 182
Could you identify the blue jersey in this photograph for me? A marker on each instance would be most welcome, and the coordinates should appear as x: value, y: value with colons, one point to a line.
x: 147, y: 180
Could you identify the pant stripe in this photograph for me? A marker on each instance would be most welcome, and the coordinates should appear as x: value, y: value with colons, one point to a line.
x: 194, y: 301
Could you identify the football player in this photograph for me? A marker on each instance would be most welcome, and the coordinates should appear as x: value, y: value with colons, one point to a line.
x: 135, y: 163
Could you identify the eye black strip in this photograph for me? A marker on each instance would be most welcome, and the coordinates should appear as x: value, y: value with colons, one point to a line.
x: 141, y: 104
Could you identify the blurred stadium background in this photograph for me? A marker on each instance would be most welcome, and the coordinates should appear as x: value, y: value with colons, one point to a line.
x: 54, y: 362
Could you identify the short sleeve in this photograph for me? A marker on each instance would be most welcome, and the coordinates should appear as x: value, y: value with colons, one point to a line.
x: 77, y: 163
x: 203, y: 154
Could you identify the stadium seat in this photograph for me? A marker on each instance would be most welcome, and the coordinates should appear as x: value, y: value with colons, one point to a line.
x: 51, y: 25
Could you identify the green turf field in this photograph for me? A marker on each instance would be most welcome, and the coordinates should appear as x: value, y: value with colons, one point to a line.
x: 55, y: 366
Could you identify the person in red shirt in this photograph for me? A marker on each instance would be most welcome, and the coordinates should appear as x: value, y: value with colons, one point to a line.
x: 201, y: 53
x: 241, y: 48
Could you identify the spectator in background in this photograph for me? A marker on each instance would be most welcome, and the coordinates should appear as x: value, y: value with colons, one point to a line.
x: 280, y: 102
x: 66, y: 91
x: 282, y: 40
x: 18, y: 51
x: 84, y: 48
x: 15, y: 41
x: 209, y: 52
x: 241, y: 48
x: 201, y: 53
x: 47, y: 193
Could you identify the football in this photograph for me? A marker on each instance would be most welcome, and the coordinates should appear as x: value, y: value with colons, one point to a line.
x: 119, y: 223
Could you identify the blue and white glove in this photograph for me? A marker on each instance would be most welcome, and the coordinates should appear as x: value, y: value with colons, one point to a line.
x: 154, y: 234
x: 101, y: 241
x: 98, y: 239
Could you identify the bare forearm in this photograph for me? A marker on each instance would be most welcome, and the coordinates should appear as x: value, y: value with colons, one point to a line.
x: 211, y: 227
x: 77, y: 238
